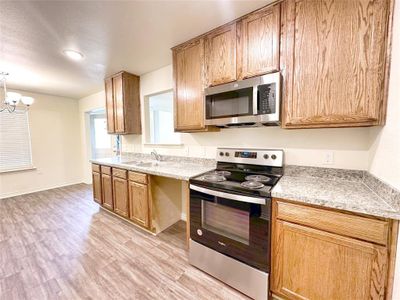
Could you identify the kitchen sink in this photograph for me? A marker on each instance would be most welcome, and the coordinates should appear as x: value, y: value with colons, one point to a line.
x: 148, y: 164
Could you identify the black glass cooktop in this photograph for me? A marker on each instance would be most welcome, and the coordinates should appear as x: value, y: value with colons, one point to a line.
x: 229, y: 177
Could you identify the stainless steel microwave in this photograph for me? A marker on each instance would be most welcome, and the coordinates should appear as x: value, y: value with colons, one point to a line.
x: 250, y: 102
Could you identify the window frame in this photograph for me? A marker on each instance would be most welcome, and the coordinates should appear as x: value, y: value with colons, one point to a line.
x: 147, y: 121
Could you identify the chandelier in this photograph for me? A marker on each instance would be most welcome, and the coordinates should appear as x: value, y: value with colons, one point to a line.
x: 12, y: 100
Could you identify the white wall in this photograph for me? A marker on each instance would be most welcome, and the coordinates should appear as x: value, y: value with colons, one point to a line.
x: 86, y: 105
x: 385, y: 151
x: 56, y: 145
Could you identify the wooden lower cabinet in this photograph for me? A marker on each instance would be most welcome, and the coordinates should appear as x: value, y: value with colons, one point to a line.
x: 106, y: 191
x: 125, y: 193
x: 96, y: 182
x: 311, y: 263
x: 139, y: 203
x: 121, y: 203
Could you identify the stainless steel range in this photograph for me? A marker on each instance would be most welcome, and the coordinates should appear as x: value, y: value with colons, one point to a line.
x: 230, y: 218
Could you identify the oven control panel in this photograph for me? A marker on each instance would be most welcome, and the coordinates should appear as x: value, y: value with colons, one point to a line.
x: 264, y: 157
x: 246, y: 154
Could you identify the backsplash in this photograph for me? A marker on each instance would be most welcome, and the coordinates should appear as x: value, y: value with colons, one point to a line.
x: 347, y: 147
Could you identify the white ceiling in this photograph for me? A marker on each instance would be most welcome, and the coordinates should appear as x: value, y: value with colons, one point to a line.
x: 135, y: 36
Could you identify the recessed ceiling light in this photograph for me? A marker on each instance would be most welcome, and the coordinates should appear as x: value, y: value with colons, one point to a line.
x: 74, y: 55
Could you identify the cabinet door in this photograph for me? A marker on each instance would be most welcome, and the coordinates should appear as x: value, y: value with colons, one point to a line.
x: 131, y: 94
x: 106, y: 188
x: 109, y: 104
x: 118, y: 103
x: 313, y: 264
x: 333, y: 60
x: 139, y: 203
x: 259, y: 42
x: 96, y: 182
x: 220, y: 54
x: 120, y: 188
x: 188, y: 64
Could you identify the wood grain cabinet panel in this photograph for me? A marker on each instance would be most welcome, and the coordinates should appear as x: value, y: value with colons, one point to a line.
x: 220, y: 55
x: 108, y: 85
x: 188, y: 69
x: 138, y: 177
x: 121, y: 200
x: 123, y: 103
x: 118, y: 103
x: 333, y: 59
x: 107, y: 192
x: 106, y: 170
x: 367, y: 229
x: 258, y: 42
x: 121, y: 173
x: 96, y: 182
x: 313, y: 264
x: 139, y: 203
x: 95, y: 168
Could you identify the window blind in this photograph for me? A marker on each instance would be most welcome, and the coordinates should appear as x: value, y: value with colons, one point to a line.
x: 15, y: 141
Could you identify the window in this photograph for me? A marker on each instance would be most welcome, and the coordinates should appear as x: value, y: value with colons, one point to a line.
x: 15, y: 141
x: 160, y: 119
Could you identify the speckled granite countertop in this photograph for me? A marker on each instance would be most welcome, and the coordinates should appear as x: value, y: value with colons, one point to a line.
x: 354, y: 191
x: 350, y: 190
x: 182, y: 168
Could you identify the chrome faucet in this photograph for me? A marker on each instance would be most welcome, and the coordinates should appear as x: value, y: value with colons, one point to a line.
x: 118, y: 146
x: 155, y: 155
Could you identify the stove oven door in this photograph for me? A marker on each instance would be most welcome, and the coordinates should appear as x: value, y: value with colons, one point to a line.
x: 235, y: 225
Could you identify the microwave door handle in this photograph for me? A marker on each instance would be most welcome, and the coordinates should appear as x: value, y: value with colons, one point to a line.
x: 228, y: 196
x: 255, y: 100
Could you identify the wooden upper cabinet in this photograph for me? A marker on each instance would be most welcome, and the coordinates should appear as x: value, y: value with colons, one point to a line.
x: 313, y: 264
x: 188, y: 69
x: 109, y: 104
x: 123, y: 103
x: 119, y: 120
x: 333, y: 59
x: 220, y: 55
x: 258, y: 42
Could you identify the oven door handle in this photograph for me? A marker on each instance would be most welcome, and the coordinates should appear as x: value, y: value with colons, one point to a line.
x: 235, y: 197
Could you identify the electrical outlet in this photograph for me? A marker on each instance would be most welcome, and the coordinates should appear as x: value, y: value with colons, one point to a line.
x: 329, y: 158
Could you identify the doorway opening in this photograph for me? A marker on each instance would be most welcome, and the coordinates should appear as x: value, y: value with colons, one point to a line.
x: 102, y: 143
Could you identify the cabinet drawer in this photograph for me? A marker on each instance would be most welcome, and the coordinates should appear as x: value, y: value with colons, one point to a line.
x: 363, y: 228
x: 138, y: 177
x: 119, y: 173
x: 106, y: 170
x: 95, y: 168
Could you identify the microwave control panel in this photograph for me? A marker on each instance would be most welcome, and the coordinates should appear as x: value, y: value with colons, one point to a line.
x: 266, y: 99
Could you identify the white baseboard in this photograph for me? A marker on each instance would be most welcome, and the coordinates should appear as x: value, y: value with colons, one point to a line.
x: 19, y: 193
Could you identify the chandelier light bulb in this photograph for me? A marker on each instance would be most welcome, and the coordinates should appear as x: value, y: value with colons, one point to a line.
x: 13, y: 98
x: 27, y: 100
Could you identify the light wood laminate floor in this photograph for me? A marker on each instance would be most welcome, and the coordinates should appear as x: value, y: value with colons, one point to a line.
x: 58, y: 244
